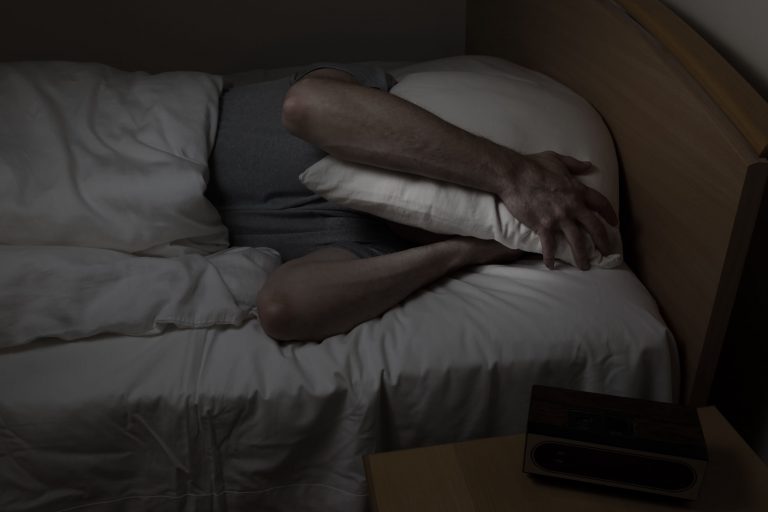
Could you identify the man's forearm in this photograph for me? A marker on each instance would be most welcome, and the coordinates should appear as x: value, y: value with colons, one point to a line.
x: 371, y: 127
x: 367, y: 126
x: 330, y: 291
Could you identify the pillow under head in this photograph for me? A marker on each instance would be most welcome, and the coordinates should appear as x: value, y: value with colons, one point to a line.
x: 510, y: 105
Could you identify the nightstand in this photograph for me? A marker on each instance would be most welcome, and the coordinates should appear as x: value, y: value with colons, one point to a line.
x: 486, y: 475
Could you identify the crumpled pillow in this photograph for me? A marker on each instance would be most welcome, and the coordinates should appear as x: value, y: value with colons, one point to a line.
x: 506, y: 103
x: 93, y: 156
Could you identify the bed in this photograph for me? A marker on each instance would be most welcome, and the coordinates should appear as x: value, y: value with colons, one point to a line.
x: 224, y: 418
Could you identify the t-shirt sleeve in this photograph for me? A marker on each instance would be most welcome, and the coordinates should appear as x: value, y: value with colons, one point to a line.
x: 364, y: 74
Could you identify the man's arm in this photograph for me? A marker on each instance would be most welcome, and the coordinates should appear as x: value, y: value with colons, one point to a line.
x: 330, y: 291
x: 364, y: 125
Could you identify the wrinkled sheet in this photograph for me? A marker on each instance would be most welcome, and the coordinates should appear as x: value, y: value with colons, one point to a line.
x: 68, y: 293
x: 226, y: 419
x: 94, y: 156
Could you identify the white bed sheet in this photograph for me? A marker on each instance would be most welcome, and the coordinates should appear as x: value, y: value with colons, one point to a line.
x: 225, y: 418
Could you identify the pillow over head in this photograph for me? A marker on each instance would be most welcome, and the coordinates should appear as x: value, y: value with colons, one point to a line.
x: 97, y: 157
x: 508, y: 104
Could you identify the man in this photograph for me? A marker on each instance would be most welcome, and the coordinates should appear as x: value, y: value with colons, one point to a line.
x: 333, y: 280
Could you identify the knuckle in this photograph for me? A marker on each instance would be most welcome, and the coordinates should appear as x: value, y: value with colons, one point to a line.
x: 560, y: 211
x: 546, y: 223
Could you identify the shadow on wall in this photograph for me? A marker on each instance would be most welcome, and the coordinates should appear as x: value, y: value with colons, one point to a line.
x: 736, y: 28
x: 740, y: 389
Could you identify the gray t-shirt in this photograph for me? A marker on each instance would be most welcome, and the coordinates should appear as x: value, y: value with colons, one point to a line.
x: 255, y: 167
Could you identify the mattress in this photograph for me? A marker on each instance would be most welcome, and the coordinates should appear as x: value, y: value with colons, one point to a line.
x: 225, y: 418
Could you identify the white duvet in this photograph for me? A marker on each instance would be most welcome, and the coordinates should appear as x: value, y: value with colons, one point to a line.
x: 68, y: 293
x: 225, y: 418
x: 92, y: 156
x: 132, y: 382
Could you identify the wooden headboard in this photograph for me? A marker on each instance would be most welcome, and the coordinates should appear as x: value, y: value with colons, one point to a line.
x: 689, y: 132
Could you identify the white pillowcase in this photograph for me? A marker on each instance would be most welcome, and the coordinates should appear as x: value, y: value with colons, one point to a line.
x: 98, y: 157
x: 508, y: 104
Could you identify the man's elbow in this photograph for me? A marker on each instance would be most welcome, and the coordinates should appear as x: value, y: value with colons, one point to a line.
x: 275, y: 317
x: 297, y: 107
x: 281, y: 318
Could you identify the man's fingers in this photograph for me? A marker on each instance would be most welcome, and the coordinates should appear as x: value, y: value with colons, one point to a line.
x: 597, y: 201
x: 547, y: 247
x: 574, y: 165
x: 597, y: 231
x: 575, y: 239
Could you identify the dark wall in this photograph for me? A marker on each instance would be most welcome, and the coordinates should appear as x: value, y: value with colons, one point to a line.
x: 740, y: 390
x: 737, y: 29
x: 231, y: 35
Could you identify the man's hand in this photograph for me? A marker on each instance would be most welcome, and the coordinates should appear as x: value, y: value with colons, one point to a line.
x: 543, y: 194
x: 371, y: 127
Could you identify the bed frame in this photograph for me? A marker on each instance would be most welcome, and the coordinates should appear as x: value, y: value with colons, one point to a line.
x: 691, y: 134
x: 692, y: 138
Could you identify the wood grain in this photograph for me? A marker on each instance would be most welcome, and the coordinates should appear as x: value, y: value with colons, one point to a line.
x: 438, y: 480
x: 486, y: 476
x: 684, y: 162
x: 739, y: 100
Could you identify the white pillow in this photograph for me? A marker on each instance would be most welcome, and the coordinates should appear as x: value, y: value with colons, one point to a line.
x: 505, y: 103
x: 98, y: 157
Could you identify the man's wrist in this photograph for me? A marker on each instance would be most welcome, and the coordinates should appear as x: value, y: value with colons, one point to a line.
x: 457, y: 252
x: 501, y: 165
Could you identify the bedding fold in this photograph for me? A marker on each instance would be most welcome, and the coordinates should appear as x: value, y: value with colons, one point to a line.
x: 228, y: 419
x: 70, y: 293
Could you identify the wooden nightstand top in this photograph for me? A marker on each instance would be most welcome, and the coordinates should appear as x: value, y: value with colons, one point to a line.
x: 486, y: 475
